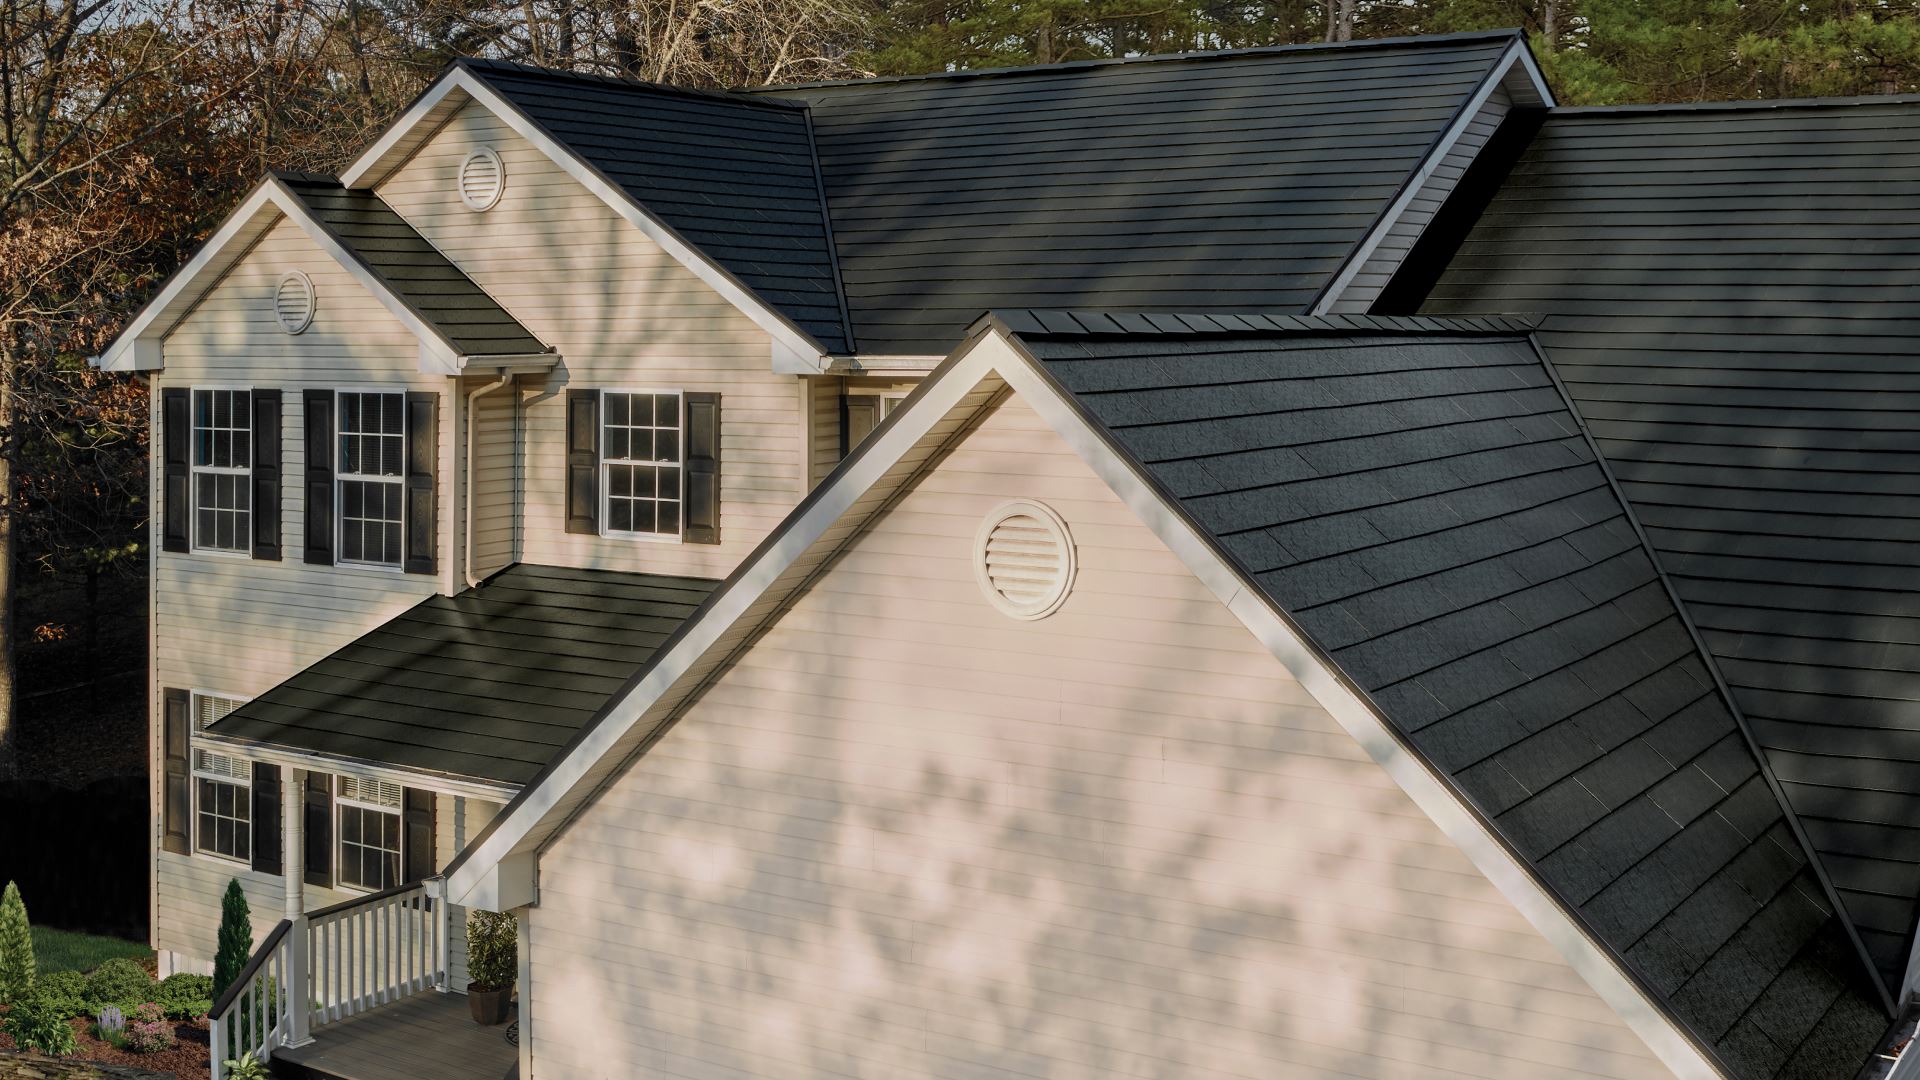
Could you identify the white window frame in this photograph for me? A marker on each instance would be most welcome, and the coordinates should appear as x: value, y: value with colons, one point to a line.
x: 603, y: 466
x: 245, y: 786
x: 195, y: 470
x: 341, y: 476
x: 397, y: 811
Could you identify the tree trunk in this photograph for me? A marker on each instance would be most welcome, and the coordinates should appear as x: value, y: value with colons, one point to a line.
x: 1550, y: 23
x: 9, y: 740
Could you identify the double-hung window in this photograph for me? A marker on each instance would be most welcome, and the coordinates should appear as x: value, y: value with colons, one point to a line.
x: 222, y: 478
x: 641, y: 451
x: 372, y: 476
x: 223, y: 791
x: 369, y: 829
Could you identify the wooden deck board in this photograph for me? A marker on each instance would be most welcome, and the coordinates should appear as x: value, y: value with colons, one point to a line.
x: 425, y: 1037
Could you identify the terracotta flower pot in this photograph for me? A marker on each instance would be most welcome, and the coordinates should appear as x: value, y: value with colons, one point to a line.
x: 488, y: 1006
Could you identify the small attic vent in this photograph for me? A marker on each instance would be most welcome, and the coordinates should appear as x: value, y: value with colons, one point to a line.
x: 1023, y: 559
x: 376, y: 792
x: 293, y: 302
x: 482, y: 178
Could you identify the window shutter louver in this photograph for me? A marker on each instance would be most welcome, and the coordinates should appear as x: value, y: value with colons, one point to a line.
x: 416, y: 834
x: 423, y: 449
x: 703, y: 469
x: 317, y: 830
x: 583, y: 461
x: 266, y: 818
x: 318, y: 408
x: 266, y: 474
x: 176, y: 785
x: 176, y: 422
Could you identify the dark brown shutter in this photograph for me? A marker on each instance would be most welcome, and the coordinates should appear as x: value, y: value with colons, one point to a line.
x: 423, y: 451
x: 266, y: 818
x: 583, y: 461
x: 317, y: 830
x: 176, y: 785
x: 703, y: 469
x: 266, y: 474
x: 859, y: 415
x: 416, y: 833
x: 318, y: 407
x: 176, y: 514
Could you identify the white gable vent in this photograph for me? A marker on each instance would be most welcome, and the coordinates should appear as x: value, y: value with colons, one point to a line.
x: 1023, y: 559
x: 293, y: 302
x: 482, y: 178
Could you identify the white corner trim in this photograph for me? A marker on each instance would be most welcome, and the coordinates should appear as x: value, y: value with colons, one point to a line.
x: 1408, y: 192
x: 140, y: 348
x: 1368, y: 728
x: 510, y: 836
x: 802, y: 354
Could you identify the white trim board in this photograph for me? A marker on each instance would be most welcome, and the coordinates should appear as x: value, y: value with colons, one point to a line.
x: 312, y: 761
x: 794, y: 352
x: 501, y: 866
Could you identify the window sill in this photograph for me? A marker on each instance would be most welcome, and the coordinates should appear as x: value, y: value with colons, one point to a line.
x: 643, y: 538
x: 202, y: 853
x: 374, y: 567
x: 222, y: 553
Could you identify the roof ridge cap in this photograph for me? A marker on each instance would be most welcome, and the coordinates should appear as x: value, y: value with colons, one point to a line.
x: 480, y: 65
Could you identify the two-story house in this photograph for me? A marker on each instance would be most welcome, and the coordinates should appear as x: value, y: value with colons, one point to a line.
x: 615, y: 505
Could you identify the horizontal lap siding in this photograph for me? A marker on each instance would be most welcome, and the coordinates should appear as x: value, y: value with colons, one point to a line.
x: 907, y: 836
x: 496, y: 482
x: 622, y: 313
x: 237, y: 626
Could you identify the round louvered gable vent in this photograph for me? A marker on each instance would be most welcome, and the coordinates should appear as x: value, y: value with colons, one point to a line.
x: 1023, y: 559
x: 482, y: 178
x: 293, y: 302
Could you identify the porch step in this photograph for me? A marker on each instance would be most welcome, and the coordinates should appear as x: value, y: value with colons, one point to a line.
x: 424, y: 1037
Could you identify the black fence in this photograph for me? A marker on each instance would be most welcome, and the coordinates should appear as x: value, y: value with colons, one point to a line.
x: 79, y: 854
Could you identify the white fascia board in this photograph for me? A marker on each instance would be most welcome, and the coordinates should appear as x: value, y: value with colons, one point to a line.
x: 794, y: 350
x: 1358, y: 260
x: 312, y: 761
x: 141, y: 346
x: 1360, y: 720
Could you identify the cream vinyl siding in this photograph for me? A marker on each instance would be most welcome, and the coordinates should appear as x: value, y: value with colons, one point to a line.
x: 907, y: 836
x: 236, y: 626
x: 1365, y: 287
x: 824, y: 393
x: 622, y: 313
x: 497, y: 477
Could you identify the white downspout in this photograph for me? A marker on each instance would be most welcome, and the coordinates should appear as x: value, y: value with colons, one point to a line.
x: 473, y: 421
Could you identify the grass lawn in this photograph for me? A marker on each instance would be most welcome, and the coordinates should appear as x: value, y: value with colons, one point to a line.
x: 64, y: 950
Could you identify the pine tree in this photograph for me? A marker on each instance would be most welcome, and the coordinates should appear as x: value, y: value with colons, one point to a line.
x: 236, y: 938
x: 16, y: 945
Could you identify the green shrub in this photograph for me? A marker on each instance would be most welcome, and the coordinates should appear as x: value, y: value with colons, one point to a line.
x: 120, y: 982
x: 149, y: 1032
x: 36, y: 1023
x: 235, y: 946
x: 185, y: 996
x: 492, y: 950
x: 16, y: 945
x: 65, y: 990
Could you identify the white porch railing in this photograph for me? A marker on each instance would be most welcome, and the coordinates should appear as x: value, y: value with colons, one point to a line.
x: 329, y: 965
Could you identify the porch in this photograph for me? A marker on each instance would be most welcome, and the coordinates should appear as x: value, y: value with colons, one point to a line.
x: 427, y: 1036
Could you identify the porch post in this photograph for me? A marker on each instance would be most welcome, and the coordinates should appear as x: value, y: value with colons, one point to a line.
x: 293, y: 864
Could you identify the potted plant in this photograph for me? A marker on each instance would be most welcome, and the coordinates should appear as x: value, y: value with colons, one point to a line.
x: 493, y: 957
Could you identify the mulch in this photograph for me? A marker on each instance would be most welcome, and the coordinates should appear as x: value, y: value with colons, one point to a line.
x: 187, y: 1057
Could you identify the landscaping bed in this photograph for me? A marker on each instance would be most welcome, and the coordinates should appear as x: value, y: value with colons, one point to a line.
x: 186, y: 1058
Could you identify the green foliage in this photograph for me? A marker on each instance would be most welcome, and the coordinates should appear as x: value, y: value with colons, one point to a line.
x: 493, y: 957
x: 149, y: 1031
x: 185, y: 996
x: 16, y: 946
x: 121, y: 982
x: 65, y: 950
x: 36, y: 1023
x: 65, y: 990
x: 247, y: 1067
x: 235, y: 945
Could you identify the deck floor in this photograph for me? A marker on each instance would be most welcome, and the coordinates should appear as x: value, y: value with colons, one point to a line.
x: 425, y: 1037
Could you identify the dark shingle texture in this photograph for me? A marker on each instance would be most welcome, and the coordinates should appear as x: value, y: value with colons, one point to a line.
x: 1429, y: 512
x: 414, y: 269
x: 488, y: 684
x: 735, y: 176
x: 1236, y: 182
x: 1736, y: 311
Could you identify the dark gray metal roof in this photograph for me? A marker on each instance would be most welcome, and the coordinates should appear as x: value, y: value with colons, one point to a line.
x: 1217, y: 182
x: 489, y: 684
x: 413, y: 268
x: 1736, y: 299
x: 734, y: 175
x: 1428, y: 510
